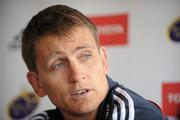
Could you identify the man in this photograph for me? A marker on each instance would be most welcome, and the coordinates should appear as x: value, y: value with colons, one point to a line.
x: 60, y: 47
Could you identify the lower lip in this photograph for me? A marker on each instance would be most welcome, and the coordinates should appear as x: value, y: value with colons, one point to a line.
x: 84, y: 95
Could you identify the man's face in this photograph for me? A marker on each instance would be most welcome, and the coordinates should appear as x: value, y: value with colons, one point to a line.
x: 71, y: 71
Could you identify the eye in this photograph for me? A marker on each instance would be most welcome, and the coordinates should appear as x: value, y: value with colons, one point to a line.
x: 86, y: 56
x: 59, y: 65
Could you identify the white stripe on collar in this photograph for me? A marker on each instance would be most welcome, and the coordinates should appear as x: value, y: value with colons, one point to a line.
x: 130, y: 103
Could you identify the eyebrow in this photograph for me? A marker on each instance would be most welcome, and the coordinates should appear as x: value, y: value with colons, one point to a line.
x: 83, y: 47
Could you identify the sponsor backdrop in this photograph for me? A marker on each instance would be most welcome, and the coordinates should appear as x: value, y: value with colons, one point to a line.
x: 142, y: 41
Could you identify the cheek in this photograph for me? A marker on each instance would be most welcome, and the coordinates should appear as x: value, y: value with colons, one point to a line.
x: 97, y: 69
x: 56, y: 90
x: 98, y: 76
x: 53, y: 83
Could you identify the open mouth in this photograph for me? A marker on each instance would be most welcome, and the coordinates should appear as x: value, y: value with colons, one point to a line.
x: 80, y: 92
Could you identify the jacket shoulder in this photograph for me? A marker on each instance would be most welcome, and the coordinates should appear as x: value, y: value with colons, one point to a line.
x: 40, y: 116
x: 138, y: 106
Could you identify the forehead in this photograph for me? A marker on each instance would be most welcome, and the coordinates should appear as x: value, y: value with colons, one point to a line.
x: 77, y: 37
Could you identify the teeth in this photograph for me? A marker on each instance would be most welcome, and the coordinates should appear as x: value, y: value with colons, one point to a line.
x: 79, y: 92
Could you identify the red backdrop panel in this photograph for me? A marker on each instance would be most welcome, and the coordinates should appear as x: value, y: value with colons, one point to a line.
x: 171, y: 98
x: 113, y: 29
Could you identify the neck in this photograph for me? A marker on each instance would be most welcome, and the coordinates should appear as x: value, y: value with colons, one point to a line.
x: 75, y: 116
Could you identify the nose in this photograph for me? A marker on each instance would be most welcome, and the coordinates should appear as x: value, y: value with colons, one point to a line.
x: 76, y: 72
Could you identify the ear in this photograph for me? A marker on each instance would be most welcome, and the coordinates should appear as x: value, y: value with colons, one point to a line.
x: 104, y: 59
x: 36, y: 84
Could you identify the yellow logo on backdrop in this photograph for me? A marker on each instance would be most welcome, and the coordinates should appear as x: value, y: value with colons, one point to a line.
x: 23, y: 105
x: 174, y: 31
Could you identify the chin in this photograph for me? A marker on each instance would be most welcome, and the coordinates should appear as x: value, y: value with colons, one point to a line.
x: 84, y: 109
